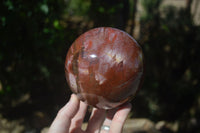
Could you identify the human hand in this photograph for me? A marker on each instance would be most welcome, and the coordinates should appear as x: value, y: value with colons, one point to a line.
x: 70, y: 118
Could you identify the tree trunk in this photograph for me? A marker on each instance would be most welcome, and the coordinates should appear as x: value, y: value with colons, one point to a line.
x: 188, y: 5
x: 133, y: 17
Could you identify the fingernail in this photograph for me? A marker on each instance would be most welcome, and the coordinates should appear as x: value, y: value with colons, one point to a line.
x: 126, y: 105
x: 73, y: 98
x: 70, y: 100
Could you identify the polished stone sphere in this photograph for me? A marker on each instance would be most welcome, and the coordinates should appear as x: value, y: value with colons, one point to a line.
x: 104, y: 67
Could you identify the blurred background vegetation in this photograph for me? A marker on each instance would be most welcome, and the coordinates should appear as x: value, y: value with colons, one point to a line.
x: 35, y: 36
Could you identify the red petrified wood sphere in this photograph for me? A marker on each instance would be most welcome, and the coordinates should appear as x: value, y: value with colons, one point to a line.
x: 104, y: 67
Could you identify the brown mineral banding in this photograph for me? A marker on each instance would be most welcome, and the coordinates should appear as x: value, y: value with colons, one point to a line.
x: 104, y: 67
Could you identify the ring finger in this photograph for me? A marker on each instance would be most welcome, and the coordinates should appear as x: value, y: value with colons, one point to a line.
x: 106, y: 124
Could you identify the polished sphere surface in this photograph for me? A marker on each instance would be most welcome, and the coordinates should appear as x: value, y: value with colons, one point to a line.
x: 104, y: 67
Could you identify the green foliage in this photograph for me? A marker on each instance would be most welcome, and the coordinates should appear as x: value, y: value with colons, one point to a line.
x: 31, y: 38
x: 78, y: 7
x: 171, y: 47
x: 151, y: 9
x: 114, y: 12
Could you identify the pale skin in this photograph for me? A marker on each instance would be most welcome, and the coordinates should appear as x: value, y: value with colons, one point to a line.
x: 70, y: 118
